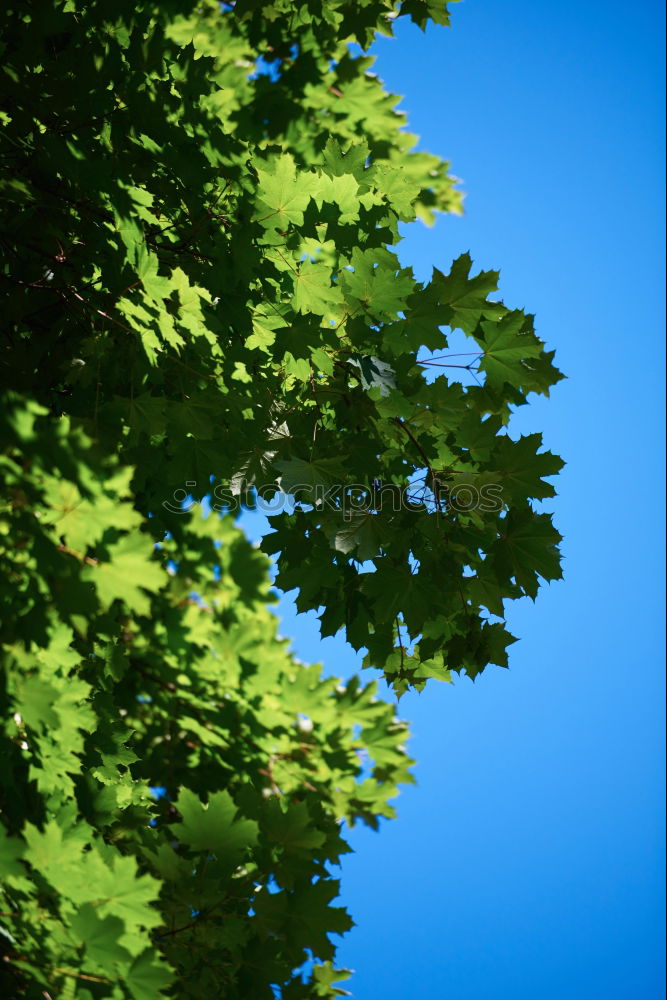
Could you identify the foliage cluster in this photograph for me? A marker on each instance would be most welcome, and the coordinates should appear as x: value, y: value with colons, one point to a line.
x: 200, y: 205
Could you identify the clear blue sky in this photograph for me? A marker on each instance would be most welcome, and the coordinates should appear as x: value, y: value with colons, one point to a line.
x: 527, y: 862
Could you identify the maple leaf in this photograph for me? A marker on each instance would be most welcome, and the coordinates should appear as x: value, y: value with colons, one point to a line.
x: 342, y: 190
x: 128, y: 573
x: 466, y: 297
x: 351, y: 161
x: 100, y: 937
x: 361, y: 535
x: 523, y: 467
x: 324, y: 472
x: 283, y: 195
x: 264, y: 327
x: 313, y: 290
x: 374, y: 286
x: 11, y: 850
x: 507, y: 345
x: 291, y: 826
x: 214, y: 826
x: 527, y: 549
x: 82, y: 522
x: 148, y: 976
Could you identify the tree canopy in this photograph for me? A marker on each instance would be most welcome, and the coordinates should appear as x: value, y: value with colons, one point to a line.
x: 200, y: 209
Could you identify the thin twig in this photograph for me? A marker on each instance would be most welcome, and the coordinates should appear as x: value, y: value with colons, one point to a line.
x: 78, y: 555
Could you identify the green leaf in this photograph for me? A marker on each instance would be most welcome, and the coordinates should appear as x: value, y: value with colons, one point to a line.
x: 422, y: 10
x: 313, y: 290
x: 101, y: 938
x: 82, y: 522
x: 291, y: 826
x: 264, y: 328
x: 214, y: 826
x: 128, y: 575
x: 295, y: 474
x: 325, y: 978
x: 11, y: 850
x: 527, y: 549
x: 374, y: 285
x: 36, y: 698
x: 523, y: 467
x: 148, y: 976
x: 282, y: 194
x: 361, y: 534
x: 467, y: 297
x: 507, y: 345
x: 342, y: 191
